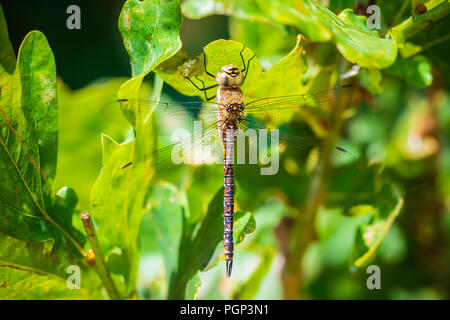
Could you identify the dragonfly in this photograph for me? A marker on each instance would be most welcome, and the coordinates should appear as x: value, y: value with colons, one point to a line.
x: 225, y: 118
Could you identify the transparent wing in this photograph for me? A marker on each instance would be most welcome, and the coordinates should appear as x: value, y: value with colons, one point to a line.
x: 142, y: 108
x: 318, y: 103
x: 294, y: 141
x: 185, y: 133
x: 188, y: 149
x: 191, y: 149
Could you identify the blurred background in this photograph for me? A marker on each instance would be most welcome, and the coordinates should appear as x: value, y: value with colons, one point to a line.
x: 404, y: 136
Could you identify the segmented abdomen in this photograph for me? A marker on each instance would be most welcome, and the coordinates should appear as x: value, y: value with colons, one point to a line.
x: 228, y: 200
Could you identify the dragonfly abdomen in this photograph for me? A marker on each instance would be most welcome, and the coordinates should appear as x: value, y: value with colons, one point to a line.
x: 228, y: 138
x: 228, y: 213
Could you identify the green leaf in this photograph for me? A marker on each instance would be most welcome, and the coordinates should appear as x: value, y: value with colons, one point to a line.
x: 371, y: 79
x: 28, y: 151
x: 249, y: 288
x: 203, y: 250
x: 81, y: 121
x: 254, y: 35
x: 356, y: 42
x: 118, y: 203
x: 7, y: 56
x: 337, y: 236
x: 32, y: 271
x: 38, y: 239
x: 434, y: 44
x: 268, y: 216
x: 258, y: 84
x: 167, y: 222
x: 204, y: 178
x: 416, y: 71
x: 283, y: 12
x: 119, y: 196
x: 369, y: 236
x: 192, y: 287
x: 150, y: 32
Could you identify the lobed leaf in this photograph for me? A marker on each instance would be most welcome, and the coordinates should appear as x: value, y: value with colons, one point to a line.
x: 258, y: 84
x: 32, y: 271
x: 350, y: 33
x: 203, y: 250
x: 28, y: 120
x: 415, y: 70
x: 370, y: 236
x: 150, y: 32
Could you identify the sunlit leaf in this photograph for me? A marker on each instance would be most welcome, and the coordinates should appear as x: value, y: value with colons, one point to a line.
x: 32, y: 271
x: 258, y: 84
x: 203, y: 250
x: 150, y: 31
x: 356, y: 42
x: 38, y: 239
x: 249, y: 289
x: 370, y: 79
x: 29, y: 125
x: 118, y: 197
x: 370, y: 236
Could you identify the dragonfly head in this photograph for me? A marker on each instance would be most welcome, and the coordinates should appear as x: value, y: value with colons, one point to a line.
x: 230, y: 76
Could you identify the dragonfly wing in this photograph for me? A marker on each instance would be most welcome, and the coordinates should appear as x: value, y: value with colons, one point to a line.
x: 317, y: 105
x: 200, y: 149
x: 295, y: 142
x: 141, y: 109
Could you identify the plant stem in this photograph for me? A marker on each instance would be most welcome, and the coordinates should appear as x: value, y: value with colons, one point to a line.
x: 99, y: 258
x: 434, y: 42
x: 400, y: 12
x: 303, y: 229
x: 412, y: 25
x: 415, y: 4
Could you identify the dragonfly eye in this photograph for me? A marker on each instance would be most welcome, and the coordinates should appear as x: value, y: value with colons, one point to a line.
x: 233, y: 72
x: 230, y: 76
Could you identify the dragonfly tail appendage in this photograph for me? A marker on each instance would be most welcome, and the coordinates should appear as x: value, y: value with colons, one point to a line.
x: 229, y: 267
x: 127, y: 165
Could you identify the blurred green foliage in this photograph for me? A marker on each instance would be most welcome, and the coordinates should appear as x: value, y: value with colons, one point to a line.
x: 303, y: 233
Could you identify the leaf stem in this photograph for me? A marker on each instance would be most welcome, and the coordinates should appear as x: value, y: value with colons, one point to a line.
x: 99, y: 258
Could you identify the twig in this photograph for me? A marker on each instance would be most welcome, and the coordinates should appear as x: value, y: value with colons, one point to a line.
x: 412, y: 25
x: 418, y: 7
x: 99, y: 258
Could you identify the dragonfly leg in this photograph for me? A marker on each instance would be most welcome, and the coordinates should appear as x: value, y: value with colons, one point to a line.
x: 248, y: 65
x: 202, y: 89
x: 204, y: 64
x: 246, y: 68
x: 242, y: 57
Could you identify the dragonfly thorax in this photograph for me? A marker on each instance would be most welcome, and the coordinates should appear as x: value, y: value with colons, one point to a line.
x: 234, y: 112
x: 230, y: 102
x: 230, y: 76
